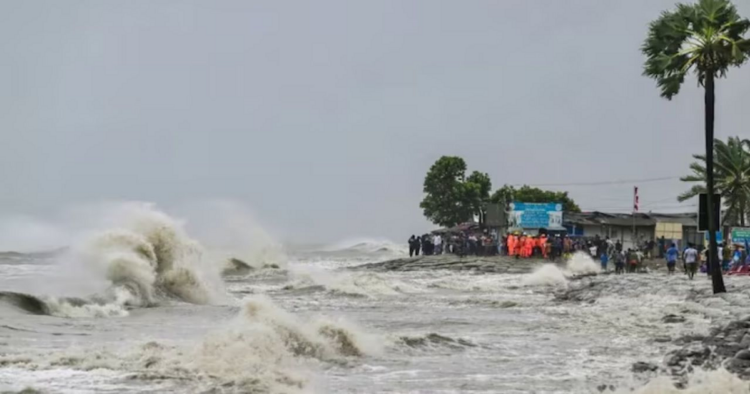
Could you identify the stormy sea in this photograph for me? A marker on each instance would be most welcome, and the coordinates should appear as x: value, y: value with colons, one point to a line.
x: 144, y: 306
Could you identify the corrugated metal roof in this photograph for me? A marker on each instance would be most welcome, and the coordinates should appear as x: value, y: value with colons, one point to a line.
x: 626, y: 219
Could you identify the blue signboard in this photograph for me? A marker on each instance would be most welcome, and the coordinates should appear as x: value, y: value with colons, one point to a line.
x: 719, y: 236
x: 536, y: 215
x: 740, y: 235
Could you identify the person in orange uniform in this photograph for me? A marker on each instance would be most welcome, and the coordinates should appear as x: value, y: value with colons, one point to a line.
x: 528, y: 245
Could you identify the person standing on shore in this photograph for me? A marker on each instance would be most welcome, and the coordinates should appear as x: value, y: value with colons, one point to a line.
x: 412, y: 245
x: 662, y: 246
x: 672, y: 253
x: 417, y: 245
x: 726, y: 256
x: 510, y: 243
x: 604, y: 259
x: 619, y: 262
x: 691, y: 260
x: 567, y: 245
x: 437, y: 240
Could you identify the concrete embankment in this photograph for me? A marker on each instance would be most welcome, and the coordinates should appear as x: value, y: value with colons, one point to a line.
x: 497, y: 264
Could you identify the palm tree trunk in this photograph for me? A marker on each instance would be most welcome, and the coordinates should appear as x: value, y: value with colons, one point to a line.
x: 713, y: 261
x: 742, y: 211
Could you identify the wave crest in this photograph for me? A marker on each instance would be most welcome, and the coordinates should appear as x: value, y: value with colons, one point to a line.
x: 580, y: 264
x: 263, y: 349
x: 150, y: 255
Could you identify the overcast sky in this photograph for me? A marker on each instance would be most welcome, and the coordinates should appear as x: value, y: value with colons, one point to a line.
x: 323, y: 116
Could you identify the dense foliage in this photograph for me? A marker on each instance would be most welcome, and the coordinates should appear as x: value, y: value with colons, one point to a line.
x: 450, y: 197
x: 706, y: 38
x: 732, y: 175
x: 526, y: 193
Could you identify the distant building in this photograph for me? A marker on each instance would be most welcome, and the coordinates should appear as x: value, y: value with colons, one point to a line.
x: 677, y: 227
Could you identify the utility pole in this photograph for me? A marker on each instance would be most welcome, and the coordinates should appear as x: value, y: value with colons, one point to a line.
x: 636, y: 203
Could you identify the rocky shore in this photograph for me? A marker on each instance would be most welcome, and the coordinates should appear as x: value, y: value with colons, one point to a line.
x: 727, y: 346
x: 494, y: 264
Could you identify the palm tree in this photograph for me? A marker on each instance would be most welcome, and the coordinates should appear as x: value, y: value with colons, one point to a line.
x: 731, y: 178
x: 707, y: 38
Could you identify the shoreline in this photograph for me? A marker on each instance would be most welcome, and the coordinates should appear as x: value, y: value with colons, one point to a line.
x: 491, y: 264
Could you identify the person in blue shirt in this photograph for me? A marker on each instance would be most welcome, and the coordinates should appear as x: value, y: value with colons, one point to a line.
x: 604, y: 258
x: 671, y: 256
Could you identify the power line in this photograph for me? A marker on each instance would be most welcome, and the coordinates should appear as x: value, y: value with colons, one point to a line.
x: 629, y: 199
x: 643, y: 208
x: 599, y: 183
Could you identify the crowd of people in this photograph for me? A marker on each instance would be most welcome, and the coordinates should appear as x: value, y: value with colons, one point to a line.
x: 465, y: 243
x: 518, y: 245
x: 734, y: 258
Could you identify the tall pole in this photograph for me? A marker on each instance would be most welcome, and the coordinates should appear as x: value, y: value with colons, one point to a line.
x: 710, y: 100
x: 635, y: 210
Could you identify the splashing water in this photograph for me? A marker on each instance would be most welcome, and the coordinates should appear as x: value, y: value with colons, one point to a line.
x: 581, y: 264
x: 143, y: 257
x: 546, y: 275
x: 700, y: 382
x: 151, y: 255
x: 262, y: 349
x: 552, y: 275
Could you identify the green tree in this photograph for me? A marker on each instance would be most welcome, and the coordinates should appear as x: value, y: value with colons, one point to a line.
x: 508, y: 193
x: 450, y: 197
x: 732, y: 178
x: 706, y: 38
x: 478, y: 186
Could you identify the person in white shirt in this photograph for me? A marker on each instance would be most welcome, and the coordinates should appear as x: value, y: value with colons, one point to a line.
x: 690, y: 255
x: 437, y: 241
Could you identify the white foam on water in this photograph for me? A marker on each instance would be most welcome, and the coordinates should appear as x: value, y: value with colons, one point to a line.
x: 699, y: 382
x: 136, y: 256
x: 228, y: 229
x: 114, y: 307
x: 359, y: 283
x: 552, y: 275
x: 546, y: 275
x: 263, y: 349
x: 581, y: 264
x: 150, y: 253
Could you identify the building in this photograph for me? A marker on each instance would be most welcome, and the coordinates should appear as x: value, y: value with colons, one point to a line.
x: 635, y: 228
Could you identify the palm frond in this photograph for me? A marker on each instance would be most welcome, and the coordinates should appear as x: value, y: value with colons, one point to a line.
x: 693, y: 192
x: 706, y: 37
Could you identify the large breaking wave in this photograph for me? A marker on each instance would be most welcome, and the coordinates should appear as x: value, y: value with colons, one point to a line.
x: 264, y: 349
x: 145, y: 258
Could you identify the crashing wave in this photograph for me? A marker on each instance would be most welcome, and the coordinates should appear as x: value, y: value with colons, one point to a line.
x: 113, y: 305
x: 263, y: 349
x: 151, y: 256
x: 579, y: 265
x: 147, y: 258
